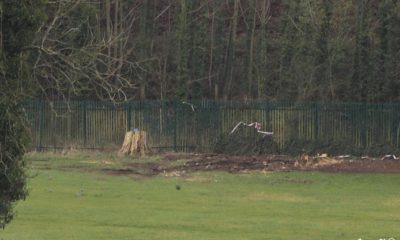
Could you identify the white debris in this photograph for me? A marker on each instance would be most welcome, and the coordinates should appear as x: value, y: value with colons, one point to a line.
x: 191, y: 105
x: 389, y: 157
x: 256, y: 125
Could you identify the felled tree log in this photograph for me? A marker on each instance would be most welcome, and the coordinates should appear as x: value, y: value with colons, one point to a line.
x: 135, y: 143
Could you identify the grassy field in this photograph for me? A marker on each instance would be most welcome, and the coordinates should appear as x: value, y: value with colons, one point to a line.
x: 71, y: 199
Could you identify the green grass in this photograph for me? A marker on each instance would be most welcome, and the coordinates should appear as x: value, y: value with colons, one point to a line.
x: 68, y: 204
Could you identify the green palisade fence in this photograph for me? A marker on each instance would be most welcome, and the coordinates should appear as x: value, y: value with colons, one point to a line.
x: 197, y: 126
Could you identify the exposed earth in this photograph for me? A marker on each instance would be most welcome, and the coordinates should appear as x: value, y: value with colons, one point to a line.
x: 177, y: 163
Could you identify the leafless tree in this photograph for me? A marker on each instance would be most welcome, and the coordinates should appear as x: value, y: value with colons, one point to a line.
x: 74, y: 58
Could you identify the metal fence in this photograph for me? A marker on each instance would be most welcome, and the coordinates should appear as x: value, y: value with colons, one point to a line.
x: 197, y: 126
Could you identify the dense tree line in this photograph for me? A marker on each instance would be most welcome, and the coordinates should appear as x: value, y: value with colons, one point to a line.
x: 321, y: 50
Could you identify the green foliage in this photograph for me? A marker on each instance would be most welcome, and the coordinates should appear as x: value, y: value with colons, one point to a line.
x: 313, y: 147
x: 19, y: 21
x: 239, y: 144
x: 19, y: 24
x: 12, y: 167
x: 82, y: 22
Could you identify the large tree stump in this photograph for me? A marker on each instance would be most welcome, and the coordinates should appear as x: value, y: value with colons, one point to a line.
x: 135, y: 143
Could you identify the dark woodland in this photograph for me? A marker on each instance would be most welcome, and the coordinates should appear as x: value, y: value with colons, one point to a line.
x: 313, y: 50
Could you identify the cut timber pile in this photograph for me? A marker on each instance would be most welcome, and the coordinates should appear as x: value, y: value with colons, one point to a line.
x: 322, y: 160
x: 135, y: 143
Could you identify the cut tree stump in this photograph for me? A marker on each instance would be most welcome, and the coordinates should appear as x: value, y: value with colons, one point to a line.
x: 135, y: 143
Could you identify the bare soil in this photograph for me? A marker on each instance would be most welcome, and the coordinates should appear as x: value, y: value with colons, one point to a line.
x: 175, y: 163
x: 289, y: 163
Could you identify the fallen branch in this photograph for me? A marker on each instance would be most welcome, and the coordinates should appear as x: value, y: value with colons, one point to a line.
x: 256, y: 125
x: 191, y: 105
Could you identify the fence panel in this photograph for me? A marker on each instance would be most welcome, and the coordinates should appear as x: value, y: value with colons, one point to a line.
x: 197, y: 126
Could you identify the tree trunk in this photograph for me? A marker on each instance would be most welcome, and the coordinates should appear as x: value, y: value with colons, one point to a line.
x: 135, y: 143
x: 262, y: 65
x: 250, y: 66
x: 229, y: 63
x: 183, y: 50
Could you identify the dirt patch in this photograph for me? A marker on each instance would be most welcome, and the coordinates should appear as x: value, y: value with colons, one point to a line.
x: 142, y: 169
x: 171, y: 156
x: 364, y: 166
x: 168, y: 165
x: 207, y: 162
x: 118, y: 171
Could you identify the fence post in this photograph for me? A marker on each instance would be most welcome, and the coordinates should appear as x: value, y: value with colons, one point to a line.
x: 364, y: 116
x: 84, y: 114
x: 41, y: 124
x: 395, y: 125
x: 316, y: 121
x: 175, y: 106
x: 396, y: 108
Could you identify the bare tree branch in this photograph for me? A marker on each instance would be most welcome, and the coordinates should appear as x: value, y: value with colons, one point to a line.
x: 72, y: 59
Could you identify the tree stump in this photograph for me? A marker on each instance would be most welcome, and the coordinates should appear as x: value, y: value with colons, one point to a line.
x: 135, y: 143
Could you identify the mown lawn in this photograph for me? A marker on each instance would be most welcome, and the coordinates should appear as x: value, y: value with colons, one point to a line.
x: 87, y: 204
